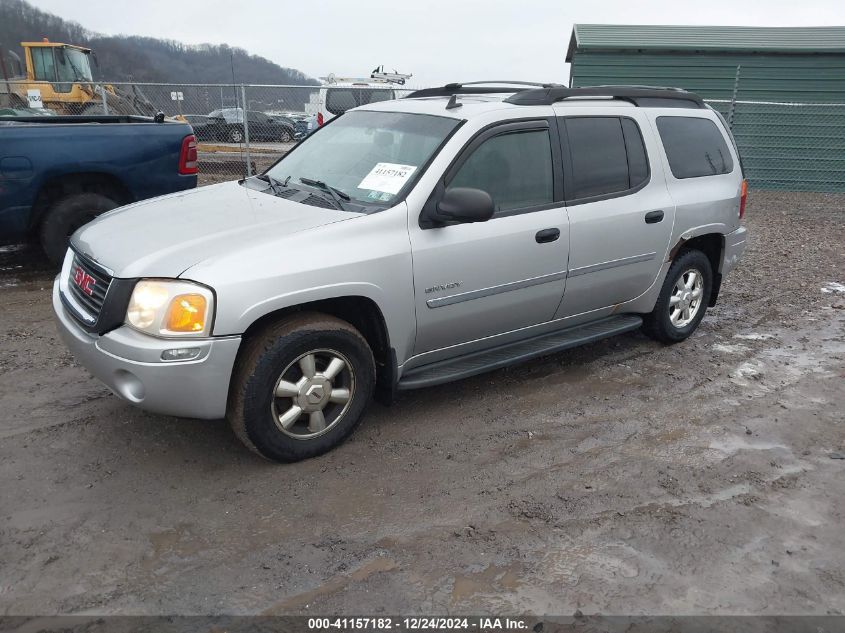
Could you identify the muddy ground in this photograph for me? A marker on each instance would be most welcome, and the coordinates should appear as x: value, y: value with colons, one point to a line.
x: 623, y: 477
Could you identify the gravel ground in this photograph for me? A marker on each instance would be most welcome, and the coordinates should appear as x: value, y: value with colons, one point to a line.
x: 623, y: 477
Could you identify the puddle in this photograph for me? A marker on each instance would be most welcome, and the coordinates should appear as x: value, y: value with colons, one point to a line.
x: 171, y: 546
x: 736, y: 443
x: 730, y: 349
x: 333, y: 585
x: 753, y: 336
x: 833, y: 286
x: 492, y: 581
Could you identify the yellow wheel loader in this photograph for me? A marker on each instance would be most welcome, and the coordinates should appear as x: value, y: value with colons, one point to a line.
x: 58, y: 77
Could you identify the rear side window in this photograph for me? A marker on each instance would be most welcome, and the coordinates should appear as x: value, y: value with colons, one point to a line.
x: 339, y: 100
x: 514, y: 168
x: 607, y: 156
x: 694, y: 146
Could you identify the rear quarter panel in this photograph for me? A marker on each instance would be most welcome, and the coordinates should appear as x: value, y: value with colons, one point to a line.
x: 707, y: 204
x: 144, y: 157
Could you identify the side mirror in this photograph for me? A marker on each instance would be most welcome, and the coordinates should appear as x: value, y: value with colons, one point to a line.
x: 462, y: 204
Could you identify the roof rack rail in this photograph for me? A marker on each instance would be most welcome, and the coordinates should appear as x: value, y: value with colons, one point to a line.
x: 638, y: 95
x: 478, y: 87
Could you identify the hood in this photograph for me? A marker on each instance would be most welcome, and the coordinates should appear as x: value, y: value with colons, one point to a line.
x: 165, y: 236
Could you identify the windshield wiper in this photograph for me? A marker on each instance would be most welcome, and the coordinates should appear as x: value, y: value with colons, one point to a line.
x: 336, y: 194
x: 274, y: 184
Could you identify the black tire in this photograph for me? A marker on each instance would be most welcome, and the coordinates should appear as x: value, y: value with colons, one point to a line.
x: 658, y: 324
x: 65, y: 216
x: 286, y: 136
x: 260, y: 365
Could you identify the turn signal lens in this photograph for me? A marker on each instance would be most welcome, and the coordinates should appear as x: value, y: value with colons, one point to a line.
x: 743, y: 198
x: 186, y: 313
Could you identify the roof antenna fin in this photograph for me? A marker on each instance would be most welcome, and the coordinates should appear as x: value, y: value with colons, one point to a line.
x: 453, y: 103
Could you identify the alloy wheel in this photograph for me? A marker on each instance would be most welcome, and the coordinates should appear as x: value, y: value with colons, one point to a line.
x: 685, y: 302
x: 313, y: 393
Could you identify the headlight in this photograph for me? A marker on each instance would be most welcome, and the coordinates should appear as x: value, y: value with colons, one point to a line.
x: 164, y: 307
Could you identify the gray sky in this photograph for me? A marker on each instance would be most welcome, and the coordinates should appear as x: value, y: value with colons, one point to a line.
x: 436, y: 40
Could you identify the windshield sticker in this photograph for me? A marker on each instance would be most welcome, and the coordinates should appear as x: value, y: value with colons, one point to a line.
x: 387, y: 177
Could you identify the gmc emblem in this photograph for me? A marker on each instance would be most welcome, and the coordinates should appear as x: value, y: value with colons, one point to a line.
x: 84, y: 280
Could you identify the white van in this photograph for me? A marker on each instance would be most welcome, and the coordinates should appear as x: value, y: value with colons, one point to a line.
x: 340, y: 94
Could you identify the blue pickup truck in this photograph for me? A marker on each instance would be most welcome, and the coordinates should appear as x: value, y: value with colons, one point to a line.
x: 58, y: 173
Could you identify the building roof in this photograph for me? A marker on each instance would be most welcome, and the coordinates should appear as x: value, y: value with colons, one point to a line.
x: 810, y: 39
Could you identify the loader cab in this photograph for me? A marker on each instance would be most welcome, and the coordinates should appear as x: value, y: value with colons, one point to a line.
x: 62, y: 65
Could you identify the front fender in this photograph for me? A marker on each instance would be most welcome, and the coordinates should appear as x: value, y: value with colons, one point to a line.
x: 368, y: 257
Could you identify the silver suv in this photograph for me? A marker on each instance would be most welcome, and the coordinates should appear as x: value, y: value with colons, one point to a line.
x: 407, y: 244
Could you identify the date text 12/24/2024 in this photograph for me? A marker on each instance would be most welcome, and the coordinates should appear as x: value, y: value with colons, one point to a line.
x: 386, y: 623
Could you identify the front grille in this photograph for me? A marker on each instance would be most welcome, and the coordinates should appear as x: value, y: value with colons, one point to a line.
x: 94, y: 279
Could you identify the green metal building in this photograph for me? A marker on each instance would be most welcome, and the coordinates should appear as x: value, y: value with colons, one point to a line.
x: 788, y: 83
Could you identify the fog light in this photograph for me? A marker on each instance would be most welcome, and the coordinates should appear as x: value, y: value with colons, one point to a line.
x: 180, y: 353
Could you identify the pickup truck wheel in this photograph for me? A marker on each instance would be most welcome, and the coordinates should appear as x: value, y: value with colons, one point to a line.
x: 236, y: 135
x: 683, y: 298
x: 301, y: 387
x: 65, y: 216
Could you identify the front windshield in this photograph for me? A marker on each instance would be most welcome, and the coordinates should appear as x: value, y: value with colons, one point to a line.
x: 72, y: 65
x: 370, y: 156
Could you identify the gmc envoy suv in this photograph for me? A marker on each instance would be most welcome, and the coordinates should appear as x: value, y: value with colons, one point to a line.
x: 406, y: 244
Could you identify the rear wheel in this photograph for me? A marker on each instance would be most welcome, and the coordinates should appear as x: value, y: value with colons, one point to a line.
x: 65, y: 216
x: 683, y: 298
x: 301, y: 387
x: 236, y: 135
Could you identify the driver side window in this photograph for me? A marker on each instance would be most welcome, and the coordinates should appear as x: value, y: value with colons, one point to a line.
x: 514, y: 168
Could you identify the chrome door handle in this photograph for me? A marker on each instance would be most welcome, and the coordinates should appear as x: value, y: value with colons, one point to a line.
x: 547, y: 235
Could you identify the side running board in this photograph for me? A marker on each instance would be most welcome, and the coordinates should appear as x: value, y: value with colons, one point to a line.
x: 487, y: 360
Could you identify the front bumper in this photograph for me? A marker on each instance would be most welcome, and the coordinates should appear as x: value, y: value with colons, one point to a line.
x: 130, y: 364
x: 735, y: 243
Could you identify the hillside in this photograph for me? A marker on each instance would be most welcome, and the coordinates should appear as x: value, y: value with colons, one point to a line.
x: 143, y: 59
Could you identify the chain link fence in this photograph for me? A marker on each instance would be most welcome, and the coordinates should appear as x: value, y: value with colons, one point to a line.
x: 789, y: 146
x: 243, y: 129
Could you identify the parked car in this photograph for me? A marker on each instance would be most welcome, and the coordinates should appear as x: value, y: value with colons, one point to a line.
x: 229, y: 126
x: 57, y: 172
x: 205, y: 127
x: 405, y: 245
x: 304, y: 124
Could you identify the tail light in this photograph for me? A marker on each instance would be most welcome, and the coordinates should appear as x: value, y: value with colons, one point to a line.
x: 743, y: 198
x: 188, y: 156
x: 320, y: 119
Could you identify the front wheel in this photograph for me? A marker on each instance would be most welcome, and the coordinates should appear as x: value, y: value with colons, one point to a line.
x: 301, y: 387
x: 683, y: 298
